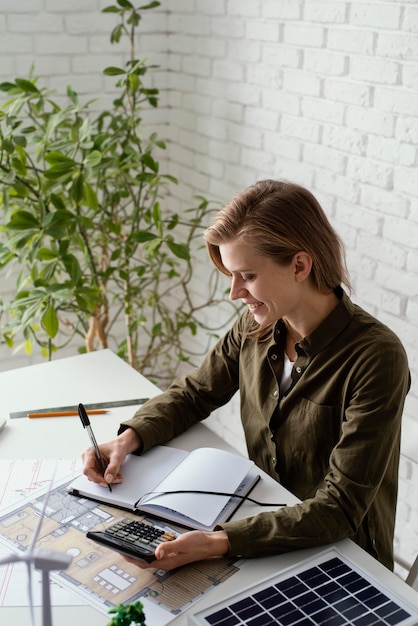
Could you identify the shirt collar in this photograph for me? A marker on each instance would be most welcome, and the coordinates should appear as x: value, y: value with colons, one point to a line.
x: 332, y: 326
x: 328, y: 329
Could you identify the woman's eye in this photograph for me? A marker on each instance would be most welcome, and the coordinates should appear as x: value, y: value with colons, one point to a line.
x: 248, y: 277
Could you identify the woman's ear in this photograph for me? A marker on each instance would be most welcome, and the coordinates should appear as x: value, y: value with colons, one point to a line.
x: 302, y: 265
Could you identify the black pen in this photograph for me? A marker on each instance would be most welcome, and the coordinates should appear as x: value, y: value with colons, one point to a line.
x: 86, y: 424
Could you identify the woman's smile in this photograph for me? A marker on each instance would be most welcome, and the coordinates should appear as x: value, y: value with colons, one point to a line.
x: 253, y: 306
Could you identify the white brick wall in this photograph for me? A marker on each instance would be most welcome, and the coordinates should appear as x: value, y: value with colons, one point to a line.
x: 320, y: 92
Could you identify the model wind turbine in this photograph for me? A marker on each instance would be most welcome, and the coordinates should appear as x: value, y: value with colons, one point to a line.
x: 43, y: 560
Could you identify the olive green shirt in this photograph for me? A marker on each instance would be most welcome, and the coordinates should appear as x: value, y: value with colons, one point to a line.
x: 332, y: 438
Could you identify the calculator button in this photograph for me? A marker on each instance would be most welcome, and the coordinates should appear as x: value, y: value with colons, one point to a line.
x: 140, y: 535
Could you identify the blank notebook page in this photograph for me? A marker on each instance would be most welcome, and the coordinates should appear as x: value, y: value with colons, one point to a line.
x: 225, y: 474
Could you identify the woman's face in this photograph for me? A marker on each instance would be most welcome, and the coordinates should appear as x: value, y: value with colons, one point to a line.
x: 271, y: 291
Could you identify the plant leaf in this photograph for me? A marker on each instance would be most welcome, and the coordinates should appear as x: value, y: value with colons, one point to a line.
x: 111, y: 9
x: 150, y: 162
x: 90, y: 197
x: 50, y: 321
x: 6, y: 86
x: 125, y: 4
x: 26, y: 85
x: 93, y: 158
x: 116, y: 34
x: 77, y: 189
x: 45, y: 254
x: 28, y: 347
x: 180, y: 250
x: 73, y: 267
x: 151, y: 5
x: 114, y: 71
x: 23, y: 220
x: 57, y: 158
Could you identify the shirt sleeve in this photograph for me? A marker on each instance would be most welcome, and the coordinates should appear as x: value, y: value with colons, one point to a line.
x: 193, y: 397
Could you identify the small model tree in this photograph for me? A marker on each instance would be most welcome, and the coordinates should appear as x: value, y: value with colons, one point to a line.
x: 127, y: 615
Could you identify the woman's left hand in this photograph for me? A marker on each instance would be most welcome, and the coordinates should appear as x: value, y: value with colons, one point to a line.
x: 192, y: 546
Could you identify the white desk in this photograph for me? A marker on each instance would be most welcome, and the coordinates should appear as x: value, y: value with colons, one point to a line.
x: 100, y: 377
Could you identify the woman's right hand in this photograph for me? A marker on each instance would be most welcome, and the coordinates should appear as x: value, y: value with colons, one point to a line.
x: 113, y: 453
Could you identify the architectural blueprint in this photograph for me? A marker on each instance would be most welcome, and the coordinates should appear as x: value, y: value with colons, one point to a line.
x: 99, y: 576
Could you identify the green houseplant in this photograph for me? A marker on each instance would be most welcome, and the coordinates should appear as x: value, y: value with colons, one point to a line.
x: 85, y: 223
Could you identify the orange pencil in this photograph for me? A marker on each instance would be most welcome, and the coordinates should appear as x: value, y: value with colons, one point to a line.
x: 65, y: 413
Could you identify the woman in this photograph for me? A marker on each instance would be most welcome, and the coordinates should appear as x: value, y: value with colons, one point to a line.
x: 322, y: 386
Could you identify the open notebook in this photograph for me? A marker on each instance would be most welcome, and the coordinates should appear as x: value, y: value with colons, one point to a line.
x: 175, y: 485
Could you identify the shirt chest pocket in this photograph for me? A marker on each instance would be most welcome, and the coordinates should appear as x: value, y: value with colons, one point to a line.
x: 307, y: 434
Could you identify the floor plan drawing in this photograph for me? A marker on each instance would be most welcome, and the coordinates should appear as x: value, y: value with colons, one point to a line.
x: 99, y: 575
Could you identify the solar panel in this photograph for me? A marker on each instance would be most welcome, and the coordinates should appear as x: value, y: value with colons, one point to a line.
x: 327, y: 589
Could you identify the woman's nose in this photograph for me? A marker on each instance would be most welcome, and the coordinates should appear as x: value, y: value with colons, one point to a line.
x: 237, y: 290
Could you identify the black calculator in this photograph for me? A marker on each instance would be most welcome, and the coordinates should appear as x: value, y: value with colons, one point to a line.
x: 137, y: 539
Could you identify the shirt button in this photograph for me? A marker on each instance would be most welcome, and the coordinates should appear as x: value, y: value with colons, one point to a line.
x: 273, y: 460
x: 276, y: 394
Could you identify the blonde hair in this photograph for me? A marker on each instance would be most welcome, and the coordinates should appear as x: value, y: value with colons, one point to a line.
x: 279, y: 219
